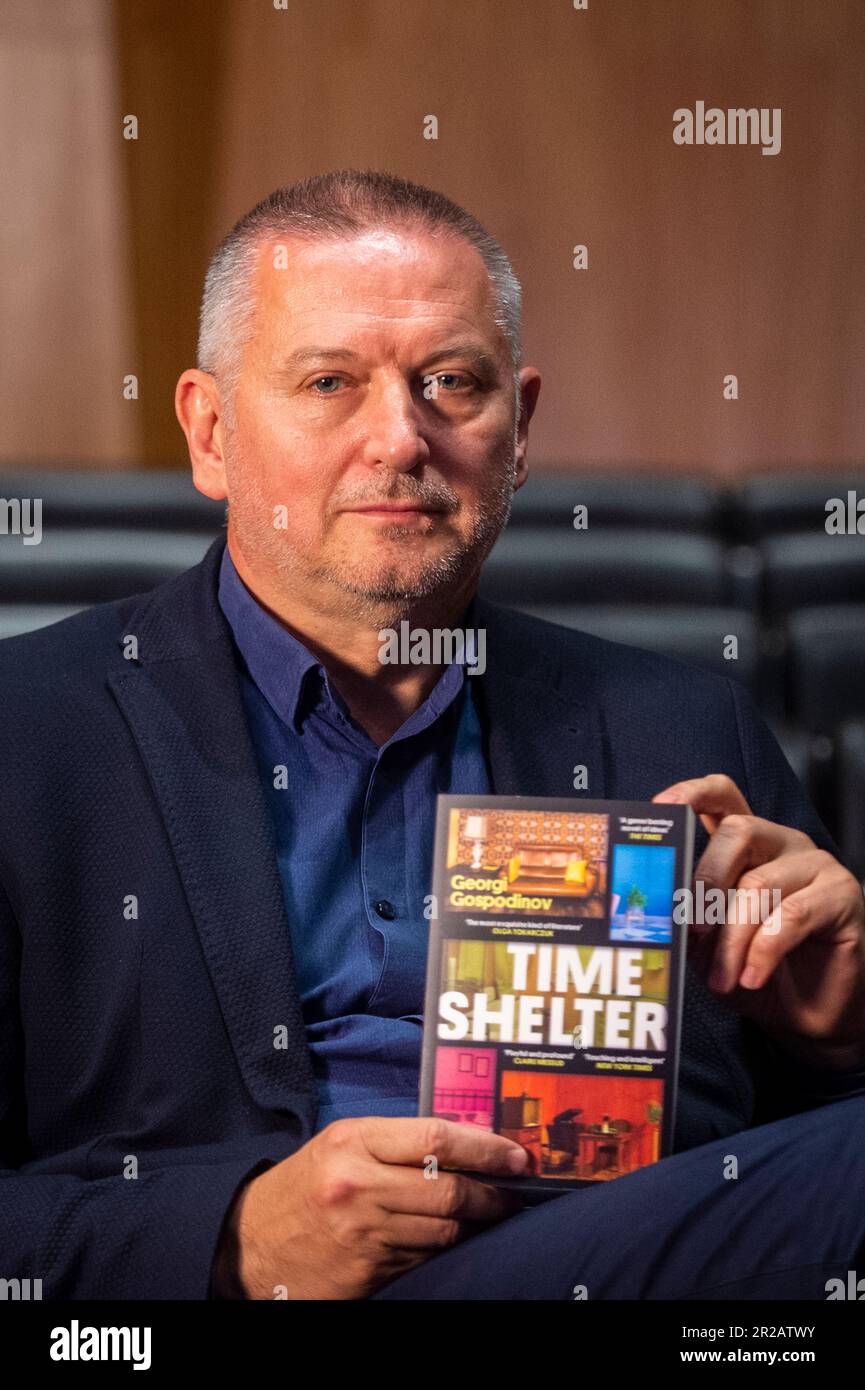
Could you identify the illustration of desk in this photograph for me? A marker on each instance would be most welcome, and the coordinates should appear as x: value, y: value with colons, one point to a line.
x: 622, y: 1140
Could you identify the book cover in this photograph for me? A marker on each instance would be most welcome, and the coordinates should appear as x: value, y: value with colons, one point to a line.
x: 555, y: 976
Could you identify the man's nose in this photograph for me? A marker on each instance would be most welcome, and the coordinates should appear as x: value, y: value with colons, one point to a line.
x: 394, y: 435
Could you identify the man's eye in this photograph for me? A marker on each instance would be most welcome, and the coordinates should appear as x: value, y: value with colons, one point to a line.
x: 458, y: 377
x: 445, y: 381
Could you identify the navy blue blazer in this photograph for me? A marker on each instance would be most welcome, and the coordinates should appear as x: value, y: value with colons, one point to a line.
x: 145, y: 957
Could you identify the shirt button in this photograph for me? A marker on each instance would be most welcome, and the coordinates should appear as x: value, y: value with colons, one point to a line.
x: 385, y: 909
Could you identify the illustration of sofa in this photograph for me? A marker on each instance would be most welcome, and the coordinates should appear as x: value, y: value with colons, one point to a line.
x: 555, y: 871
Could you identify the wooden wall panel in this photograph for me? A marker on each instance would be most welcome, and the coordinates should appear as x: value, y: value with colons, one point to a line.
x: 67, y: 333
x: 555, y: 127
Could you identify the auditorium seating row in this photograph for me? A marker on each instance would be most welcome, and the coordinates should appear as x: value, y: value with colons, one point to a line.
x: 763, y: 505
x: 743, y: 580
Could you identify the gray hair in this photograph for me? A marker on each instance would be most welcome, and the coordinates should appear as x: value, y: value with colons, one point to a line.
x: 332, y: 205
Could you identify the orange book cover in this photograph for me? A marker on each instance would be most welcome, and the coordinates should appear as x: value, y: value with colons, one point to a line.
x: 558, y: 932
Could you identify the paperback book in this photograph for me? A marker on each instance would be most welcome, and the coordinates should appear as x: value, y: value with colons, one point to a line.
x: 558, y: 932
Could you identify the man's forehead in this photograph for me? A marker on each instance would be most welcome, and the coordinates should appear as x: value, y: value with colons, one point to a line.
x: 380, y: 274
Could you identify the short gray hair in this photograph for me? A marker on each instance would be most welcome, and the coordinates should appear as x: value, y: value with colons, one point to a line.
x: 337, y: 204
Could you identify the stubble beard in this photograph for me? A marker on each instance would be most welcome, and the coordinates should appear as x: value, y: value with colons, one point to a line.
x: 380, y: 597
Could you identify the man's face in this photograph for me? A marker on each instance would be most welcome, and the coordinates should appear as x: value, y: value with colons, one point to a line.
x: 336, y: 426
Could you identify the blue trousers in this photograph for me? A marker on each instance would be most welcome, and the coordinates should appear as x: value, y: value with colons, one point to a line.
x: 792, y: 1219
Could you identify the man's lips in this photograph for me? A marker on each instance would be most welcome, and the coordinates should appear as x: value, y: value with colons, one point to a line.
x: 394, y: 509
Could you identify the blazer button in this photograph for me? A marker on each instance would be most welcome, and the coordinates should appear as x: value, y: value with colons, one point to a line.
x: 385, y: 909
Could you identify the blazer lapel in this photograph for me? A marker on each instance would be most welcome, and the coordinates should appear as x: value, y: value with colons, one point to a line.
x: 182, y: 702
x: 537, y: 739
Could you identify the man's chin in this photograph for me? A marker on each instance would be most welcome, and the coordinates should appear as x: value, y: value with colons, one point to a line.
x: 396, y: 590
x: 401, y: 590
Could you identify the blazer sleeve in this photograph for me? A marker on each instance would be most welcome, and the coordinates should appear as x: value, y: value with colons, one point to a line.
x: 784, y: 1085
x: 153, y: 1236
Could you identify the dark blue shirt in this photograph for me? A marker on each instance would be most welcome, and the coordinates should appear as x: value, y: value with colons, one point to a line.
x: 353, y: 825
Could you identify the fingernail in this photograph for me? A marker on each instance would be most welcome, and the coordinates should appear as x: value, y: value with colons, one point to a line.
x: 517, y: 1160
x: 750, y: 977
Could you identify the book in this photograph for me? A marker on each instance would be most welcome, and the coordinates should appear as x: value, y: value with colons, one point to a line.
x: 555, y: 976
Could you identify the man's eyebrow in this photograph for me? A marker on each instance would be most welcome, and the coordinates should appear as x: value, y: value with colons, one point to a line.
x: 469, y: 352
x: 302, y: 356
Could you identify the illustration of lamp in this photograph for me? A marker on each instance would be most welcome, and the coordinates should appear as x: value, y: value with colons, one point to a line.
x: 477, y: 830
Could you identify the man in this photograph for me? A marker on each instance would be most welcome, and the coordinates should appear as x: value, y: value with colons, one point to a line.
x: 216, y: 831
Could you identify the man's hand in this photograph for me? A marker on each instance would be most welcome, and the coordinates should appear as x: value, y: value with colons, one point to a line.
x: 353, y: 1207
x: 798, y: 971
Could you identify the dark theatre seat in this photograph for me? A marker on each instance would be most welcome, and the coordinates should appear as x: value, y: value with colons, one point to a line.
x: 826, y: 688
x: 160, y: 499
x: 18, y: 618
x: 826, y: 681
x: 615, y: 499
x: 93, y: 565
x: 694, y: 635
x: 789, y: 501
x: 811, y: 567
x: 556, y: 564
x: 851, y: 793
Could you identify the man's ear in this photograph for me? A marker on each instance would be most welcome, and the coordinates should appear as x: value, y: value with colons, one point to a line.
x: 530, y: 387
x: 198, y: 406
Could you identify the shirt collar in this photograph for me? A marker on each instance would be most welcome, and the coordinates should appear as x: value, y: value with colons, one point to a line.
x: 279, y: 663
